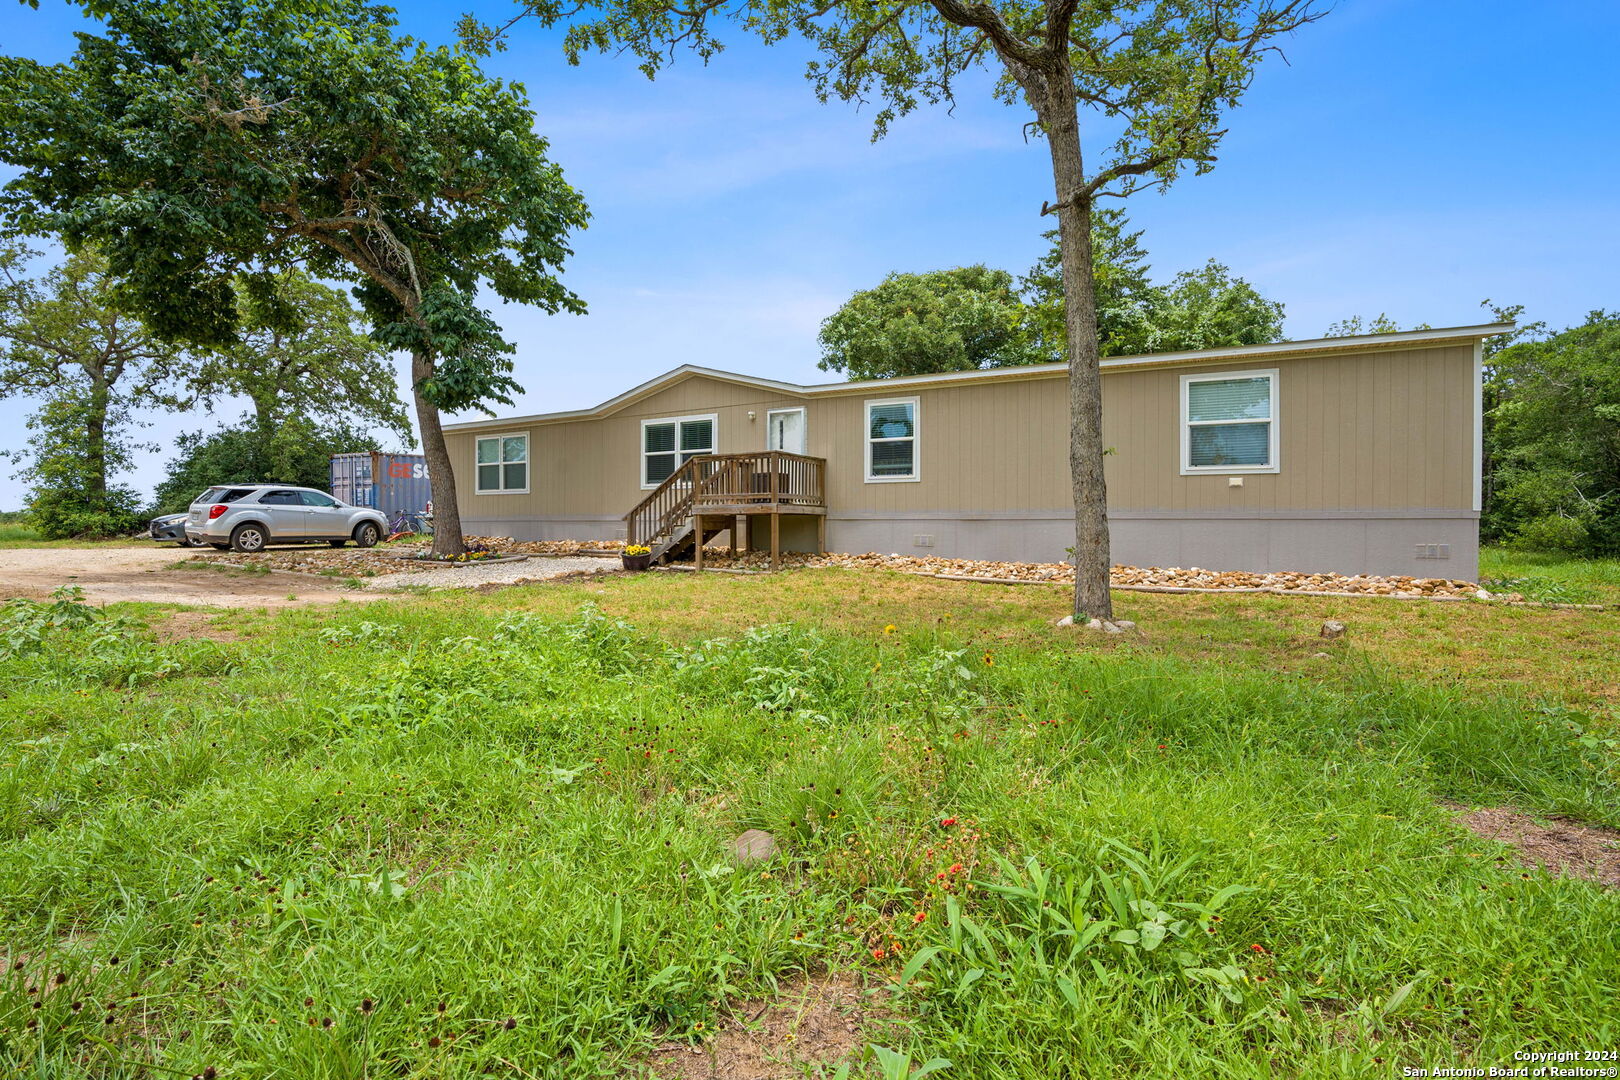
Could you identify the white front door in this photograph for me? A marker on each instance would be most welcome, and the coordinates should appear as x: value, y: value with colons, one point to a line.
x: 784, y: 430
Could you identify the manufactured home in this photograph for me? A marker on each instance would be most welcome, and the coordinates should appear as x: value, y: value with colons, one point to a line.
x: 1349, y: 454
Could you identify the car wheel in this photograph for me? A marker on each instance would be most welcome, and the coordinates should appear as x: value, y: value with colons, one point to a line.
x: 366, y: 534
x: 337, y: 543
x: 250, y: 538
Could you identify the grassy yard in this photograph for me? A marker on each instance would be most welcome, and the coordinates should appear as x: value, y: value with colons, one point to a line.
x: 1552, y: 577
x: 487, y: 834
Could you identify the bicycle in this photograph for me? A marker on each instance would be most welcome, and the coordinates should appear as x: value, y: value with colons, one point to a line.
x: 408, y: 524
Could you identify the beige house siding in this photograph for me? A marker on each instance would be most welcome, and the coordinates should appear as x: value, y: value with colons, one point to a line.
x: 590, y: 470
x: 1384, y: 437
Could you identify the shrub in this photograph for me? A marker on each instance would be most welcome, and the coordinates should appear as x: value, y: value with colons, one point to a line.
x: 1553, y: 532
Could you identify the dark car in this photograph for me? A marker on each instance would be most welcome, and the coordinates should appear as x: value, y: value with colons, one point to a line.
x: 172, y: 527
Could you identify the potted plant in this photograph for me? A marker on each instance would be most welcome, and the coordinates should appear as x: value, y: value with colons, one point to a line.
x: 637, y: 556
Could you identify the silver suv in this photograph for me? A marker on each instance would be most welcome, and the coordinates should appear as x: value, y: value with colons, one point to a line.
x: 250, y: 517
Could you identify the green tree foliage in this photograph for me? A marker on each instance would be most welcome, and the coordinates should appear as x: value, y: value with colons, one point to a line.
x: 1553, y: 439
x: 1206, y: 308
x: 946, y: 320
x: 64, y: 341
x: 959, y: 320
x: 1120, y: 283
x: 1163, y: 72
x: 198, y: 141
x: 69, y: 494
x: 1355, y: 326
x: 297, y: 451
x: 302, y: 358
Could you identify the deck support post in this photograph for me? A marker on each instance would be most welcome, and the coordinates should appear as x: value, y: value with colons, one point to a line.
x: 821, y: 534
x: 697, y: 541
x: 776, y: 541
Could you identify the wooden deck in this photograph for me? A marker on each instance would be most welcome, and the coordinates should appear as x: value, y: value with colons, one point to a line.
x: 709, y: 493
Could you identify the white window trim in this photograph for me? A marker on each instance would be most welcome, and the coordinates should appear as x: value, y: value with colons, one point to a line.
x: 641, y: 457
x: 916, y: 440
x: 1184, y: 432
x: 777, y: 412
x: 527, y: 463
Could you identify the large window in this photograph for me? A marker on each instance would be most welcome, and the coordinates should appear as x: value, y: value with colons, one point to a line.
x: 1229, y: 422
x: 503, y: 465
x: 669, y: 443
x: 891, y: 440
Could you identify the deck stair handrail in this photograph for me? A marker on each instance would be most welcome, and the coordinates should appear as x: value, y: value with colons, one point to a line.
x: 717, y: 482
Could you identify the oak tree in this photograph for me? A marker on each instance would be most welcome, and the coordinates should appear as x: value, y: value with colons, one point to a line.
x: 64, y: 342
x: 300, y: 356
x: 197, y: 142
x: 1160, y: 74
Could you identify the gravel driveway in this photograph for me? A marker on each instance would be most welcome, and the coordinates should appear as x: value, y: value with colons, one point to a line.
x: 170, y: 575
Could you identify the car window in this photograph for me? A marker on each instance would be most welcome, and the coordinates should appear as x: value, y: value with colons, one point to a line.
x: 315, y: 498
x: 280, y: 498
x: 221, y: 495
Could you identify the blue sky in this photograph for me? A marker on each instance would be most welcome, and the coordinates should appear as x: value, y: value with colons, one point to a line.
x: 1412, y: 157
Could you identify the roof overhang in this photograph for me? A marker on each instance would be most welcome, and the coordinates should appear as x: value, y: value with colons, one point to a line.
x: 1283, y: 350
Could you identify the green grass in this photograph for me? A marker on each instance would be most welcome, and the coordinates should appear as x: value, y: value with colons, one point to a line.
x: 18, y: 532
x: 500, y: 820
x: 1550, y: 576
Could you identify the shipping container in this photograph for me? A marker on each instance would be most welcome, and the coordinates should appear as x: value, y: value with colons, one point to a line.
x: 387, y: 482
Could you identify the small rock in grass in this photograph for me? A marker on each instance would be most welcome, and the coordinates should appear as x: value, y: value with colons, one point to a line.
x: 1067, y: 620
x: 1331, y: 629
x: 755, y: 845
x: 1319, y: 656
x: 1125, y: 624
x: 1094, y: 624
x: 1482, y: 595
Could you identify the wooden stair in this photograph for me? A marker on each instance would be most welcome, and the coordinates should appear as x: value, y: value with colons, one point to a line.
x: 679, y: 543
x: 715, y: 488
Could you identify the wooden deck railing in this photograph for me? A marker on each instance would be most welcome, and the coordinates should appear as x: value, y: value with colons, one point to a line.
x: 764, y: 479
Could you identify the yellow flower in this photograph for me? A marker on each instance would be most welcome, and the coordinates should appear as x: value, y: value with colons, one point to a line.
x: 889, y: 629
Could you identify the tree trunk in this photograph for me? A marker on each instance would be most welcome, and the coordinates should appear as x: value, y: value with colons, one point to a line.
x: 95, y: 443
x: 447, y: 538
x: 1092, y: 599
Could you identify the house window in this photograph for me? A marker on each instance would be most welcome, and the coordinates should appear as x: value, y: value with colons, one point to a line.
x: 891, y: 440
x: 1229, y: 422
x: 503, y: 465
x: 668, y: 444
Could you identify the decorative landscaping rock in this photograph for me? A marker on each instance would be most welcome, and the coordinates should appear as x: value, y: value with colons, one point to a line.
x: 755, y: 845
x: 1137, y: 577
x: 1067, y: 620
x: 1332, y: 630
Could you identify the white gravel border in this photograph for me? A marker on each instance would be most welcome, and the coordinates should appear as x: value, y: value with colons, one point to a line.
x: 534, y: 568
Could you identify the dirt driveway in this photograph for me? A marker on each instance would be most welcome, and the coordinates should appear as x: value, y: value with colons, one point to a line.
x: 112, y: 574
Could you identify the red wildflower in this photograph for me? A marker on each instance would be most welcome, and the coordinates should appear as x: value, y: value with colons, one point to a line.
x: 956, y: 868
x: 920, y: 916
x: 947, y: 823
x: 878, y: 954
x: 1258, y: 948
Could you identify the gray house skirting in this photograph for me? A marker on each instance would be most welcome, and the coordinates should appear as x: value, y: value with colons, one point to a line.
x: 1422, y: 543
x: 1436, y: 544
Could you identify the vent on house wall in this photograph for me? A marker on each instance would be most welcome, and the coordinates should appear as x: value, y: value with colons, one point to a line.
x: 1433, y: 551
x: 922, y: 540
